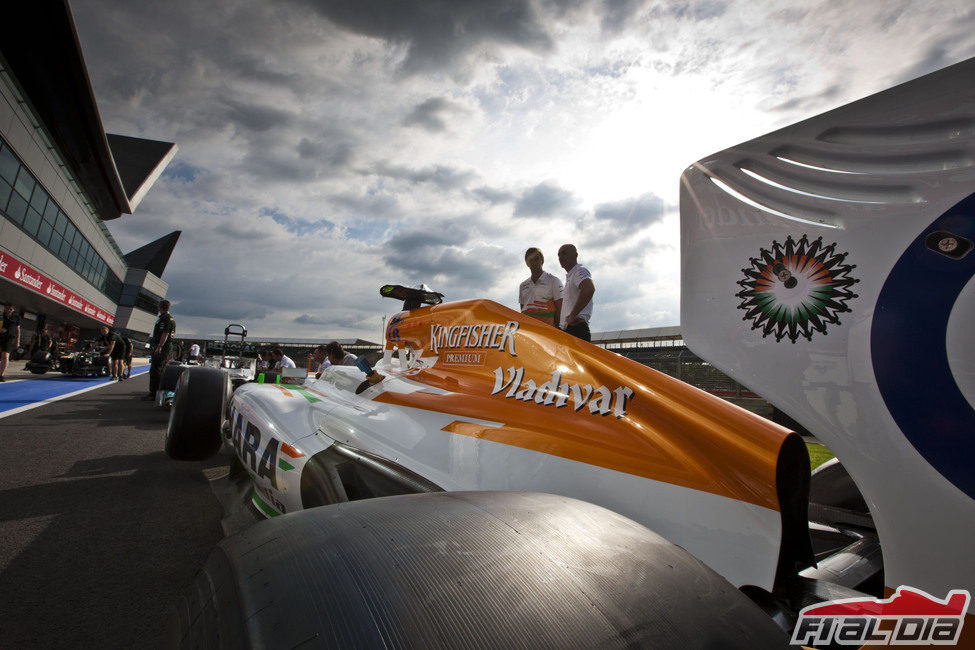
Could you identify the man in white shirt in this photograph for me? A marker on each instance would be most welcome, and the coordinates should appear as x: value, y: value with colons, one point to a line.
x: 577, y: 295
x: 282, y: 360
x: 540, y: 295
x: 194, y: 352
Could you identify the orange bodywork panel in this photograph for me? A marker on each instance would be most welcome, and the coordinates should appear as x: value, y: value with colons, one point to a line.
x: 532, y: 386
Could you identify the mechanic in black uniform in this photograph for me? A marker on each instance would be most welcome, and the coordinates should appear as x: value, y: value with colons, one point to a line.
x: 161, y: 347
x: 44, y: 341
x: 113, y: 347
x: 127, y: 360
x: 9, y: 336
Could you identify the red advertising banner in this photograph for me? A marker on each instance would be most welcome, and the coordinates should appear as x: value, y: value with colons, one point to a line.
x: 13, y: 269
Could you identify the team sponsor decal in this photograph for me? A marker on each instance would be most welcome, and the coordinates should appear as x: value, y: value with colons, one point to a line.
x: 557, y: 394
x: 15, y: 270
x: 55, y: 292
x: 796, y: 288
x: 462, y: 358
x: 25, y: 276
x: 485, y: 336
x: 258, y: 452
x: 909, y: 617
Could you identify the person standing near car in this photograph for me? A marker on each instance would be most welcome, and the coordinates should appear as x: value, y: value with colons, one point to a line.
x: 9, y: 336
x: 113, y: 347
x: 540, y: 295
x: 577, y: 298
x: 127, y: 360
x: 160, y: 347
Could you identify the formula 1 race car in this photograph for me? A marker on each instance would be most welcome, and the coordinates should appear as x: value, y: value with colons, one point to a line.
x: 239, y: 368
x: 84, y: 363
x: 491, y: 481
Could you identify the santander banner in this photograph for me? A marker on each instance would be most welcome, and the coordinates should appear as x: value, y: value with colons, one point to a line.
x: 22, y: 274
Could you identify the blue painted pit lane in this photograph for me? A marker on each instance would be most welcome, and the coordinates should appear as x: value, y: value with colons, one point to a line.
x: 21, y: 395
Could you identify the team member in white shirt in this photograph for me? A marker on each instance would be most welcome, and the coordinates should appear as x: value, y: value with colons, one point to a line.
x: 541, y: 294
x: 282, y: 360
x: 578, y: 293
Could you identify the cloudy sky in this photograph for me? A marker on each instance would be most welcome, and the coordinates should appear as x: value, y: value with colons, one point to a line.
x: 327, y: 147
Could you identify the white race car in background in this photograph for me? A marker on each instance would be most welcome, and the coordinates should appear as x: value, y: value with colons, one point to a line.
x: 238, y: 368
x: 493, y: 482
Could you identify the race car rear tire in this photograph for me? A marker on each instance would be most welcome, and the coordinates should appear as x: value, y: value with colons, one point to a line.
x: 170, y: 377
x: 197, y: 414
x: 40, y: 362
x: 465, y: 570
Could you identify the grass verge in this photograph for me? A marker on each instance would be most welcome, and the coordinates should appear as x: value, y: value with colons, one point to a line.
x: 818, y: 454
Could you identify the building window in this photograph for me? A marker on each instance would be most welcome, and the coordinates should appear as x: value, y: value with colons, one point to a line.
x: 24, y: 202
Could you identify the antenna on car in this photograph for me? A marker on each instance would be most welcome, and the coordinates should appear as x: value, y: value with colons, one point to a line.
x: 412, y: 298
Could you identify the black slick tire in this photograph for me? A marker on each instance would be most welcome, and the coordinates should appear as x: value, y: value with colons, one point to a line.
x: 197, y: 414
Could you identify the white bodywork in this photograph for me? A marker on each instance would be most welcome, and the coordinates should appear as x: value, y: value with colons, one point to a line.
x: 725, y: 533
x: 871, y: 179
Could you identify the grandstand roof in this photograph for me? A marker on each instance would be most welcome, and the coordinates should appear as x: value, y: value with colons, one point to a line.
x: 636, y: 335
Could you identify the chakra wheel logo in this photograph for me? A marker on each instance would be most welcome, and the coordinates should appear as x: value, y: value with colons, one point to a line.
x: 796, y: 288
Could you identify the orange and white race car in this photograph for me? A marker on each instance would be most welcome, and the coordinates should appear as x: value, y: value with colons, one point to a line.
x: 491, y: 481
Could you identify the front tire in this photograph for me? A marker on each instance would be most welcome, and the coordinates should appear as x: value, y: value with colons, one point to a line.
x: 197, y: 414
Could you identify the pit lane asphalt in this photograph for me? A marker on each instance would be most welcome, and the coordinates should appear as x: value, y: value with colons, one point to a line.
x: 100, y: 531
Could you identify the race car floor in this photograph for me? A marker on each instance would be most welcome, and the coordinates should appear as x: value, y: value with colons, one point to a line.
x: 99, y: 530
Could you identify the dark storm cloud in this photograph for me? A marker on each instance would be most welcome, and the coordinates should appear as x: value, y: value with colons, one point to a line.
x: 544, y: 200
x: 438, y: 32
x: 429, y: 115
x: 694, y: 11
x: 374, y: 205
x: 334, y: 153
x: 427, y: 239
x: 492, y: 195
x: 448, y: 267
x: 634, y: 213
x: 308, y: 319
x: 616, y: 14
x: 439, y: 255
x: 446, y: 178
x: 255, y: 117
x: 240, y: 233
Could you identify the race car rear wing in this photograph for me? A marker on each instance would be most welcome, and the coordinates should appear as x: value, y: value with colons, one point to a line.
x: 412, y: 298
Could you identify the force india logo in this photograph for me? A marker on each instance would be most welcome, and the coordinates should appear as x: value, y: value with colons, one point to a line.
x: 910, y: 616
x: 796, y: 288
